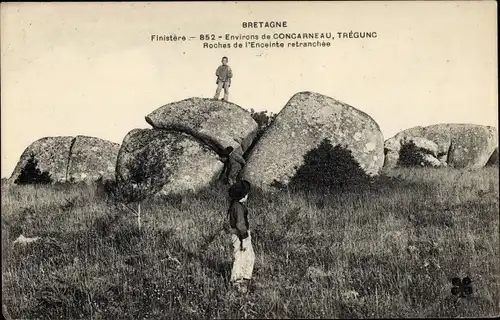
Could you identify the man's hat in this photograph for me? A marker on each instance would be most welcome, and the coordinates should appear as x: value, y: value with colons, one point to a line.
x: 239, y: 190
x: 227, y: 151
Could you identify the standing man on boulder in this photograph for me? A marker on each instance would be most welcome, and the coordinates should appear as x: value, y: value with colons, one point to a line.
x: 224, y: 75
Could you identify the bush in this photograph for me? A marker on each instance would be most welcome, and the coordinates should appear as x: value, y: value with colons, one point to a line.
x: 328, y: 167
x: 31, y: 174
x: 410, y: 155
x: 264, y: 120
x: 146, y: 177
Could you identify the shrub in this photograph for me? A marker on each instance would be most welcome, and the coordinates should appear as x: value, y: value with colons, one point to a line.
x: 31, y: 174
x: 410, y: 155
x: 264, y: 119
x: 328, y: 167
x: 146, y: 177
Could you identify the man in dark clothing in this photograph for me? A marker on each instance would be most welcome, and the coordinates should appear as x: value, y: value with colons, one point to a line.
x: 224, y: 75
x: 243, y: 254
x: 233, y: 164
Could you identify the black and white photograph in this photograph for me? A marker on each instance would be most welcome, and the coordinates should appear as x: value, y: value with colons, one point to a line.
x: 249, y: 160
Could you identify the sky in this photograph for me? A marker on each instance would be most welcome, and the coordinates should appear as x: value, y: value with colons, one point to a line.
x: 91, y: 68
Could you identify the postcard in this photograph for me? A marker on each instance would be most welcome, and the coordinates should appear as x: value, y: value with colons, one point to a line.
x: 303, y: 159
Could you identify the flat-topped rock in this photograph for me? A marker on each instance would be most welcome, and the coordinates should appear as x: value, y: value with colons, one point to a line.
x: 216, y: 123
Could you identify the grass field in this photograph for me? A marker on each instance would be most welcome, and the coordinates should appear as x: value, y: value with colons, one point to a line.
x: 388, y: 250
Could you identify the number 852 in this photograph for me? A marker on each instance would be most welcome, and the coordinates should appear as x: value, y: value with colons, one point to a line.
x: 207, y: 36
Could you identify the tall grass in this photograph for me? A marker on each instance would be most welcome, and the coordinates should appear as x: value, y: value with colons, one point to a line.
x: 389, y: 250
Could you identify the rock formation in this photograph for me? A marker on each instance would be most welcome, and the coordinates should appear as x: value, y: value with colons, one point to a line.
x: 306, y: 120
x: 91, y: 159
x: 210, y: 121
x: 52, y: 155
x: 458, y: 145
x: 154, y: 161
x: 71, y: 159
x: 181, y: 152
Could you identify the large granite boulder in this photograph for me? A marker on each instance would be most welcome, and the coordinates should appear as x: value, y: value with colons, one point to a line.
x: 51, y: 155
x: 70, y: 159
x: 215, y: 123
x: 92, y: 159
x: 301, y: 126
x: 458, y: 145
x: 160, y: 162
